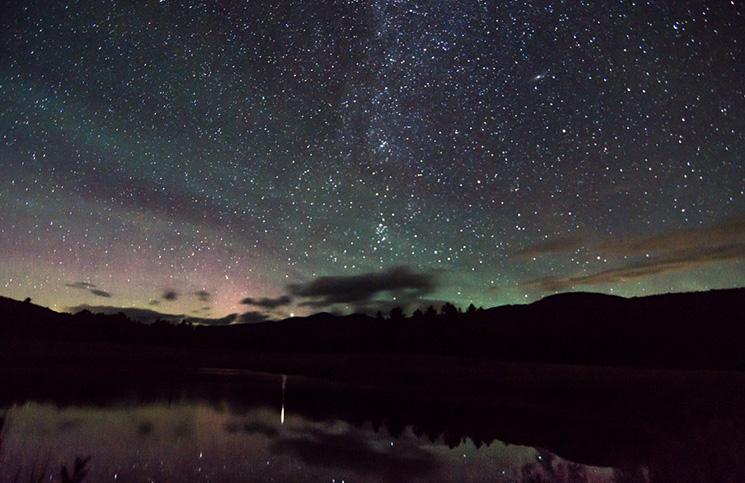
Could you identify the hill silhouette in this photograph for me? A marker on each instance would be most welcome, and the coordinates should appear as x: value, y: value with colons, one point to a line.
x: 688, y: 330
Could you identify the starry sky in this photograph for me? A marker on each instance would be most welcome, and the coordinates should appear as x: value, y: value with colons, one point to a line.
x: 215, y: 157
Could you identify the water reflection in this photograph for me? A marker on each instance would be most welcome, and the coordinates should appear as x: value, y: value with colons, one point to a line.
x: 199, y: 442
x: 239, y: 427
x: 180, y: 436
x: 284, y: 387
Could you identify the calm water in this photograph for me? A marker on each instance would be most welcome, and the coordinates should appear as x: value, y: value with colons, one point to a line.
x: 274, y: 428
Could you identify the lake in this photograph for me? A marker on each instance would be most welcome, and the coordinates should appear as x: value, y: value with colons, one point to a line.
x: 234, y: 426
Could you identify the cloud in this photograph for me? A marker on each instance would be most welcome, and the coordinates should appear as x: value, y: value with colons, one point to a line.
x: 81, y: 285
x: 268, y: 303
x: 169, y: 295
x: 147, y: 316
x: 141, y: 194
x: 361, y: 289
x: 725, y: 232
x: 251, y: 317
x: 554, y: 245
x: 676, y: 261
x: 670, y: 251
x: 90, y: 287
x: 203, y: 295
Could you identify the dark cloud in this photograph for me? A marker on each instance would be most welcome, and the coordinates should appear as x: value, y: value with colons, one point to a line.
x: 679, y: 260
x: 203, y: 295
x: 251, y: 317
x: 268, y: 303
x: 360, y: 289
x: 169, y: 295
x: 81, y: 285
x: 147, y: 316
x: 90, y: 287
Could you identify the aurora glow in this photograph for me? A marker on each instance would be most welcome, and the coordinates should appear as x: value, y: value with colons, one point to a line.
x: 231, y: 149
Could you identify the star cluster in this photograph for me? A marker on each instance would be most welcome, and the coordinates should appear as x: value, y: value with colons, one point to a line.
x: 238, y: 148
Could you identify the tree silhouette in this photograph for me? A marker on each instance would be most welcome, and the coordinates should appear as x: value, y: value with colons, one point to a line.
x: 431, y: 312
x: 449, y: 310
x: 397, y: 313
x: 471, y: 309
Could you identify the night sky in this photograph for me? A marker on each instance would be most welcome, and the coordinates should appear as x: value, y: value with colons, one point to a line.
x: 210, y: 158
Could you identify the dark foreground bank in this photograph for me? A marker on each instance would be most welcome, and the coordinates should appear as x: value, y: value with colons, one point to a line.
x: 499, y: 422
x: 701, y: 330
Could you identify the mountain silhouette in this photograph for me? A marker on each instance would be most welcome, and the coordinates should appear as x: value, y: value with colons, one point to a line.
x: 691, y: 330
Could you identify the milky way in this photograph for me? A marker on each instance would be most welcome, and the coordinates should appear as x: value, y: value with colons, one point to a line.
x: 228, y: 150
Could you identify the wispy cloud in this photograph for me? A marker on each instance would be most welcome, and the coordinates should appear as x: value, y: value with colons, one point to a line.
x: 89, y: 287
x: 677, y: 261
x: 551, y: 246
x: 725, y: 232
x: 645, y: 256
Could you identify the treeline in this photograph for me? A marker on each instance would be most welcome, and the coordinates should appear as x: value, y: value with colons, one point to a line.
x: 703, y: 329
